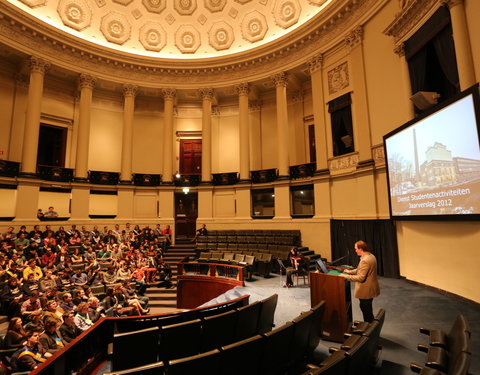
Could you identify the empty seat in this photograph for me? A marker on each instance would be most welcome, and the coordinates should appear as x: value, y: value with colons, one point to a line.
x: 276, y: 358
x: 215, y: 256
x: 302, y: 327
x: 206, y: 363
x: 247, y: 320
x: 315, y: 333
x: 135, y: 348
x: 173, y: 342
x: 204, y: 257
x: 242, y: 357
x: 219, y: 330
x: 228, y: 257
x: 441, y: 338
x: 335, y: 364
x: 239, y: 258
x: 267, y: 313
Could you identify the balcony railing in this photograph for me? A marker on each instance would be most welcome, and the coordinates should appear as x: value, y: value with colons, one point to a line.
x: 302, y: 170
x: 103, y: 178
x: 9, y: 168
x: 264, y: 175
x: 187, y: 180
x: 51, y: 173
x: 225, y: 178
x: 142, y: 179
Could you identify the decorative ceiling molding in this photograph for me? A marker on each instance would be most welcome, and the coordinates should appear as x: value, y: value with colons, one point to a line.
x: 22, y: 32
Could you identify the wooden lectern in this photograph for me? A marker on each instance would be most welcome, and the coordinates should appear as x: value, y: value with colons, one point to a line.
x: 335, y: 291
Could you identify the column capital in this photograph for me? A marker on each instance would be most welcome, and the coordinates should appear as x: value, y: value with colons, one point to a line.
x: 315, y: 63
x: 130, y: 90
x: 86, y: 81
x: 400, y: 49
x: 280, y: 79
x: 38, y: 65
x: 354, y: 37
x: 22, y: 80
x: 169, y: 93
x: 242, y: 88
x: 255, y: 106
x: 206, y: 93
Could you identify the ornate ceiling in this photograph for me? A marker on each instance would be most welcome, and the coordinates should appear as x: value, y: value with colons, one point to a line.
x: 185, y: 29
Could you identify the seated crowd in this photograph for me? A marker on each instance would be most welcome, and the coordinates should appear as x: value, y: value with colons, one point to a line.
x: 57, y: 284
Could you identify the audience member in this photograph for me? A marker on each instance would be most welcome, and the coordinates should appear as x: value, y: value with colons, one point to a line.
x: 68, y: 330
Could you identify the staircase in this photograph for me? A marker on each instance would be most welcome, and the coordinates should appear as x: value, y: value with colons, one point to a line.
x: 163, y: 299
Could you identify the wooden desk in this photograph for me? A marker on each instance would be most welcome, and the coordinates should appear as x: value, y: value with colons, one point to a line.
x: 335, y: 291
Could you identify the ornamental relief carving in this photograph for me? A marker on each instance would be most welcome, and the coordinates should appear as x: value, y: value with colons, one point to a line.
x: 154, y: 6
x: 187, y: 39
x: 153, y: 37
x: 338, y: 78
x: 34, y: 3
x: 215, y: 5
x: 75, y: 14
x: 343, y: 164
x: 286, y: 12
x: 221, y: 35
x: 378, y: 154
x: 115, y: 28
x: 185, y: 7
x: 254, y: 26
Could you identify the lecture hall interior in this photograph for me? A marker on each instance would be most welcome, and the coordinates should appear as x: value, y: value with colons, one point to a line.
x: 241, y: 115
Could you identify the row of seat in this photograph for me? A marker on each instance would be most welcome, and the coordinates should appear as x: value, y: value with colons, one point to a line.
x: 358, y: 354
x: 447, y: 353
x: 258, y: 263
x: 173, y: 341
x: 255, y: 232
x: 276, y: 352
x: 261, y: 240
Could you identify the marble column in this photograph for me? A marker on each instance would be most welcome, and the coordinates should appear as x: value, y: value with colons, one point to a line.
x: 129, y: 93
x: 169, y: 99
x: 86, y: 84
x: 463, y: 50
x: 280, y: 80
x: 38, y: 67
x: 207, y: 96
x: 243, y: 91
x: 407, y: 87
x: 321, y: 149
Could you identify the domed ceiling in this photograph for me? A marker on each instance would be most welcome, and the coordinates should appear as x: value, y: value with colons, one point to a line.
x: 185, y: 29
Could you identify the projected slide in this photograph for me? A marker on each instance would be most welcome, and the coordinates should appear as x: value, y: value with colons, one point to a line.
x: 434, y: 164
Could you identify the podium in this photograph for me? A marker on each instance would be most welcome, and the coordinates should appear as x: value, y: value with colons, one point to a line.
x: 335, y: 291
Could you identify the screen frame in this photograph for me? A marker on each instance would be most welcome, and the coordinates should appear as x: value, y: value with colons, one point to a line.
x: 474, y: 92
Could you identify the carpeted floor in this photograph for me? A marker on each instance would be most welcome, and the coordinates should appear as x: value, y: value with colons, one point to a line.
x: 408, y: 307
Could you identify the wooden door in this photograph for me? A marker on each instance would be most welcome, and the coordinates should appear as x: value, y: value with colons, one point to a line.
x: 186, y: 212
x: 190, y: 156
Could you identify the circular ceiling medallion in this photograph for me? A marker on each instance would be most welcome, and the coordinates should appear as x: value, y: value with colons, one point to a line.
x: 221, y: 36
x: 75, y: 13
x: 152, y: 36
x: 187, y: 39
x: 215, y: 5
x: 254, y: 26
x: 154, y: 6
x: 115, y: 28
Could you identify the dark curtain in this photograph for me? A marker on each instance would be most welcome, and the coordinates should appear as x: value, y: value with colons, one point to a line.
x: 380, y: 235
x: 445, y: 50
x: 342, y: 127
x: 417, y: 66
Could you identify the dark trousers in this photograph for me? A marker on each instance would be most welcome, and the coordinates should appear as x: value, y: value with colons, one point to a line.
x: 366, y: 305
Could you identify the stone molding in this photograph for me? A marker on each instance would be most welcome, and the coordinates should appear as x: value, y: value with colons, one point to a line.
x: 206, y: 93
x: 378, y: 154
x: 343, y: 164
x: 315, y: 63
x: 130, y: 90
x: 86, y: 81
x: 355, y: 37
x: 38, y: 65
x: 280, y: 79
x: 169, y: 93
x: 242, y: 89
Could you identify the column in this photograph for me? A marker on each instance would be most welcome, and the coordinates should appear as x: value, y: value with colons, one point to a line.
x: 321, y: 147
x: 463, y: 50
x: 38, y: 68
x: 169, y: 98
x: 361, y: 119
x: 407, y: 87
x: 280, y: 81
x: 86, y: 85
x: 207, y: 96
x: 129, y: 92
x: 255, y: 132
x: 243, y: 91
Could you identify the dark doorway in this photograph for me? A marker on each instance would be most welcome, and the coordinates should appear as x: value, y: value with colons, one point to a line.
x: 190, y: 156
x: 52, y: 144
x: 186, y: 213
x: 311, y: 143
